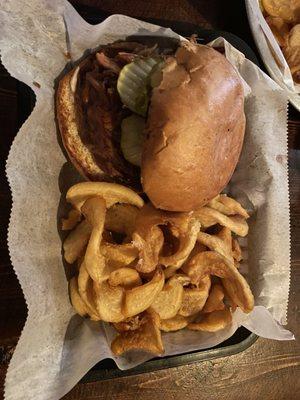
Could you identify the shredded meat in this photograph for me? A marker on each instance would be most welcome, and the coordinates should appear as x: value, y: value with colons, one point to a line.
x: 125, y: 57
x: 127, y: 46
x: 107, y: 62
x: 148, y: 51
x: 99, y: 108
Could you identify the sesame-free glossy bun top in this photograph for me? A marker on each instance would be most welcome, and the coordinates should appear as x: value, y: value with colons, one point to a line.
x: 195, y: 129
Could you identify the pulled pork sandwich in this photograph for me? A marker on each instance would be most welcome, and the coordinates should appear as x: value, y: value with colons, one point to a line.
x: 170, y: 120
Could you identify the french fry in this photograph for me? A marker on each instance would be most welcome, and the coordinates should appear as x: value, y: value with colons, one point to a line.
x: 168, y: 302
x: 212, y: 322
x: 94, y: 210
x: 141, y: 297
x: 76, y: 241
x: 215, y: 299
x: 212, y: 263
x: 112, y: 193
x: 147, y: 337
x: 128, y: 278
x: 174, y: 324
x: 76, y: 301
x: 160, y: 277
x: 228, y: 206
x: 109, y: 301
x: 195, y: 298
x: 86, y: 292
x: 209, y: 216
x: 71, y: 221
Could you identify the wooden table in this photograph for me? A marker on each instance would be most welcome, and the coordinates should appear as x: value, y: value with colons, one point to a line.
x: 268, y: 369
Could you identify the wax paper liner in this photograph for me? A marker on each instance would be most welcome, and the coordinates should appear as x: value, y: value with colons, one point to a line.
x: 56, y: 347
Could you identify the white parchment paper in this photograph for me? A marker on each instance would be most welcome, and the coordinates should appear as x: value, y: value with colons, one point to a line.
x: 57, y: 347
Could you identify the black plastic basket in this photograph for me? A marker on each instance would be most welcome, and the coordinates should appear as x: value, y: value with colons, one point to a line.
x: 242, y: 339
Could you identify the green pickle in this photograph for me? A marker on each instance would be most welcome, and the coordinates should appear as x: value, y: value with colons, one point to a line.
x: 134, y: 82
x: 132, y: 136
x: 156, y: 74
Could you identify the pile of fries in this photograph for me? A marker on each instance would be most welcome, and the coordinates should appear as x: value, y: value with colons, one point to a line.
x: 283, y: 17
x: 145, y: 270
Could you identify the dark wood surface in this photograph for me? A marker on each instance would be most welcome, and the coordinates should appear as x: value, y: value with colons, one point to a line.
x: 268, y: 369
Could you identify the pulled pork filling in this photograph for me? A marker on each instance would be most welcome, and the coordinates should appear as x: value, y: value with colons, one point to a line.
x: 100, y: 111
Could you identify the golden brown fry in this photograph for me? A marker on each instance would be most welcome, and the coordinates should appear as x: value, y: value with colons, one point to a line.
x: 174, y: 324
x: 225, y: 236
x: 149, y: 249
x: 71, y: 221
x: 212, y: 322
x: 141, y: 297
x: 194, y: 299
x: 76, y: 301
x: 131, y: 323
x: 79, y: 262
x: 236, y: 250
x: 292, y: 55
x: 199, y: 247
x: 292, y: 52
x: 111, y: 192
x: 233, y: 296
x: 221, y: 242
x: 212, y: 263
x: 288, y: 10
x: 294, y: 36
x: 168, y: 302
x: 121, y: 218
x: 215, y: 299
x: 76, y: 241
x: 148, y: 237
x: 279, y: 28
x: 94, y: 211
x: 147, y: 337
x: 187, y: 240
x: 119, y: 255
x: 86, y: 292
x: 109, y: 301
x: 126, y: 277
x: 208, y: 217
x: 110, y: 286
x: 227, y: 206
x: 183, y: 279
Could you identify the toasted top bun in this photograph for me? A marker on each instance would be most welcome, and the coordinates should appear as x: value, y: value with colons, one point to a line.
x: 195, y: 131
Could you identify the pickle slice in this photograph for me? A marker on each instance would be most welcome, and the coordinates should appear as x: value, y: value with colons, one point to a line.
x: 132, y: 136
x: 156, y: 74
x: 134, y: 82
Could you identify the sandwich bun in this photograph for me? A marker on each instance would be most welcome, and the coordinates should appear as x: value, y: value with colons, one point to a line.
x: 79, y: 154
x: 195, y: 129
x: 89, y: 113
x: 194, y: 132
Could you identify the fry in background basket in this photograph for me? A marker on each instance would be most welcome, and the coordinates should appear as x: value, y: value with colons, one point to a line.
x: 283, y: 17
x: 292, y: 52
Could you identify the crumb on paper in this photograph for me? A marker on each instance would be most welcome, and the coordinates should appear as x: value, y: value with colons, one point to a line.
x: 67, y: 55
x: 36, y: 84
x: 281, y: 158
